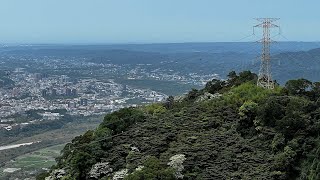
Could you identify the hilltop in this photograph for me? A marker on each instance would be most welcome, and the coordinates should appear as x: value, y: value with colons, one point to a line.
x: 229, y: 130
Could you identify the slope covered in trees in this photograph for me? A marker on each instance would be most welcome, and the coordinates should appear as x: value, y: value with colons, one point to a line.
x: 228, y: 130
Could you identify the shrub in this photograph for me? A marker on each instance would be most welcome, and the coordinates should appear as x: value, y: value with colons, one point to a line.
x: 153, y: 169
x: 248, y: 92
x: 247, y: 114
x: 214, y: 86
x: 278, y: 142
x: 120, y: 120
x: 298, y: 87
x: 284, y: 160
x: 155, y: 109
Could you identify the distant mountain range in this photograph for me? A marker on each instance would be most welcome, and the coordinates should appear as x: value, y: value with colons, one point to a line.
x: 290, y: 60
x: 293, y: 65
x: 214, y: 47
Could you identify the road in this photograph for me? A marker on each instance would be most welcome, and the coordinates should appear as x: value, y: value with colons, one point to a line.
x: 16, y: 145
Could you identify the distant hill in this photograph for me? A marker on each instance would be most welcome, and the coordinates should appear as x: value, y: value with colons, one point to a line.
x: 293, y: 65
x: 94, y: 55
x: 291, y: 60
x: 209, y: 47
x: 128, y: 57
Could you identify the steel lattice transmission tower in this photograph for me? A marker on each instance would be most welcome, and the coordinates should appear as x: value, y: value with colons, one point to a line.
x: 264, y: 77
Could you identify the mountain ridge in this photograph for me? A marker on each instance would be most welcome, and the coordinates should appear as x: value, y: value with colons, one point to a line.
x: 229, y: 129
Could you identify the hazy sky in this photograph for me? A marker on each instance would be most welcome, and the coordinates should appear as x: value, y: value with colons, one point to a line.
x: 151, y: 21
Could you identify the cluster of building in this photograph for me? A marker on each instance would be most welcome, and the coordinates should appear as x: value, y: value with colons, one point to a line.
x: 84, y: 97
x: 143, y: 71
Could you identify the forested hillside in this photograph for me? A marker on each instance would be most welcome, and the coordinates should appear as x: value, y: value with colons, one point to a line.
x: 228, y: 130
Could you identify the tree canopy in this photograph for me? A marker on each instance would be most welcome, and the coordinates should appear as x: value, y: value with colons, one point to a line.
x: 246, y: 133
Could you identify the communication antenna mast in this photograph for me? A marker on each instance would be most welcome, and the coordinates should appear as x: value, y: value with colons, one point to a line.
x: 264, y: 77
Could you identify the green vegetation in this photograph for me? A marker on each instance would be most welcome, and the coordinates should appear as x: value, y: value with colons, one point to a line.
x: 47, y: 139
x: 246, y: 133
x: 38, y: 127
x: 155, y: 109
x: 43, y: 158
x: 153, y: 169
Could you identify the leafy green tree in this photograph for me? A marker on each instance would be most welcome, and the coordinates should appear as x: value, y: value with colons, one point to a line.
x: 214, y: 86
x: 169, y: 102
x: 286, y: 114
x: 42, y: 175
x: 120, y: 120
x: 247, y: 92
x: 153, y: 170
x: 82, y: 163
x: 193, y: 94
x: 284, y: 160
x: 272, y: 110
x: 278, y: 142
x: 248, y: 109
x: 247, y: 114
x: 315, y: 91
x: 246, y: 76
x: 298, y: 87
x: 232, y: 75
x: 296, y: 117
x: 311, y: 166
x: 102, y: 132
x: 155, y: 109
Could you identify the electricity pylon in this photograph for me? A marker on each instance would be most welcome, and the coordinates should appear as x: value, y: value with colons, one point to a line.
x: 264, y: 77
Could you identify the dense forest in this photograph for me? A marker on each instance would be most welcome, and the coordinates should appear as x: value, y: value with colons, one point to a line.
x: 229, y: 130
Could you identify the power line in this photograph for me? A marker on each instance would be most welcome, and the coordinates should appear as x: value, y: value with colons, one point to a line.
x: 96, y: 141
x: 264, y: 77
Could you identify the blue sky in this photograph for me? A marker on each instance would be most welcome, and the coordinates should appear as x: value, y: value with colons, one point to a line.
x: 151, y: 21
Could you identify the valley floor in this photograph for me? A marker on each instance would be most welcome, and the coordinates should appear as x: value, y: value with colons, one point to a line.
x: 24, y: 159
